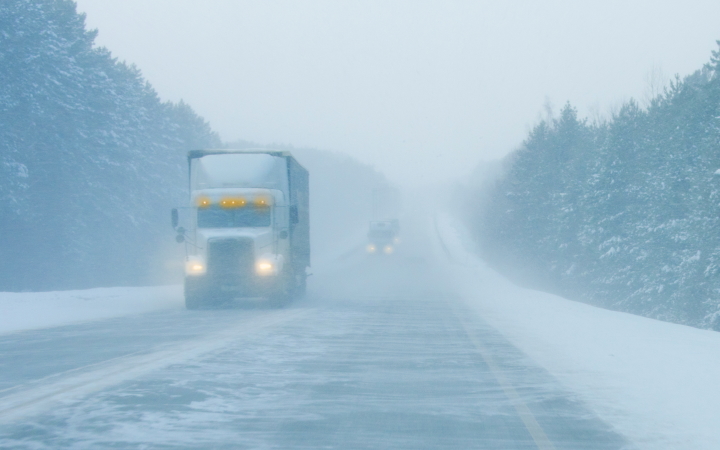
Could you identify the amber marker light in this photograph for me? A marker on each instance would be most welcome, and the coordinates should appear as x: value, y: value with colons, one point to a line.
x: 203, y: 202
x: 232, y: 202
x: 262, y: 202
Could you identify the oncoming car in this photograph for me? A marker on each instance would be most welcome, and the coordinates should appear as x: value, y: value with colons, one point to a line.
x: 383, y: 236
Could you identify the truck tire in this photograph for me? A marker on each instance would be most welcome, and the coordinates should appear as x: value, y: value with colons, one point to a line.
x: 300, y: 285
x: 283, y: 294
x: 195, y: 296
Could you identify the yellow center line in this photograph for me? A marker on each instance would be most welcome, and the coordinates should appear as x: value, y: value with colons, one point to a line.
x: 527, y: 417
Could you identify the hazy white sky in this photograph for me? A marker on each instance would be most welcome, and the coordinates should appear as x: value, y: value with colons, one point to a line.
x: 422, y: 90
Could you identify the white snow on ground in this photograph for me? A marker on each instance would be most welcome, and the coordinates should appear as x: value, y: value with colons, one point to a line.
x: 656, y: 383
x: 32, y: 310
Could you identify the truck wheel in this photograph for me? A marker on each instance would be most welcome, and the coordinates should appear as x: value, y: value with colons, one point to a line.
x: 283, y: 293
x: 193, y: 303
x: 300, y: 285
x: 195, y: 296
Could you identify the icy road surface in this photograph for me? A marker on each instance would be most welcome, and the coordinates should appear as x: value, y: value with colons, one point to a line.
x: 381, y: 354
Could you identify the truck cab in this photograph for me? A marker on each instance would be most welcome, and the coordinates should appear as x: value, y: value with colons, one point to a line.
x: 248, y: 227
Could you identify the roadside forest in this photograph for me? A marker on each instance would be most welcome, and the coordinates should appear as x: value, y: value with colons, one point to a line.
x: 90, y: 157
x: 92, y: 161
x: 622, y: 213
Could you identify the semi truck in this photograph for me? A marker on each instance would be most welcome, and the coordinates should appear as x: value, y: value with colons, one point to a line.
x: 247, y: 227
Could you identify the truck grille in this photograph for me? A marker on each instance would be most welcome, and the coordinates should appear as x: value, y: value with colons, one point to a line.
x: 231, y: 257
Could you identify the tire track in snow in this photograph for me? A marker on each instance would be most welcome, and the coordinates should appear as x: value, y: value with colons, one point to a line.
x: 66, y: 387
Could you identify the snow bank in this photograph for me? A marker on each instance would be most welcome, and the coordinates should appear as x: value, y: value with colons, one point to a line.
x: 656, y: 383
x: 32, y: 310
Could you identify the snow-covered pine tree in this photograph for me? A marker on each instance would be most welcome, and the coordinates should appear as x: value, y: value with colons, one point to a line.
x: 90, y: 158
x: 624, y: 214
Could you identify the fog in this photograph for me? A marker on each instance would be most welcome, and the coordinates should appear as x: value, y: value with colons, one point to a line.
x: 455, y: 208
x: 344, y: 196
x: 422, y: 90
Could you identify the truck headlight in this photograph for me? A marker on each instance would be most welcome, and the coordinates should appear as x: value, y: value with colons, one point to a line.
x: 264, y: 267
x: 269, y: 264
x: 195, y: 267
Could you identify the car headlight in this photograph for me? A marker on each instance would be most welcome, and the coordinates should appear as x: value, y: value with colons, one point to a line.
x: 371, y: 248
x: 388, y: 249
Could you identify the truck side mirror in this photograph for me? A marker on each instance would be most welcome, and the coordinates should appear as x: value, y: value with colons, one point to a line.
x: 294, y: 215
x: 174, y: 217
x: 180, y: 238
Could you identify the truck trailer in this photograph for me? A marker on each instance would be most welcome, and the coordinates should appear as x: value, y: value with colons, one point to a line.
x: 248, y: 227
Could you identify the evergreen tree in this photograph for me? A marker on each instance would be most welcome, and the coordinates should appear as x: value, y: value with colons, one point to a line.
x: 90, y: 158
x: 623, y: 214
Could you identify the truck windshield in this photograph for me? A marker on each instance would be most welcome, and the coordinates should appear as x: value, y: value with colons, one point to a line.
x: 381, y: 234
x: 249, y: 216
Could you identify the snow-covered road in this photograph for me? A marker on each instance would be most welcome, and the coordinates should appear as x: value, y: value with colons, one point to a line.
x: 378, y: 356
x: 655, y: 382
x: 417, y: 350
